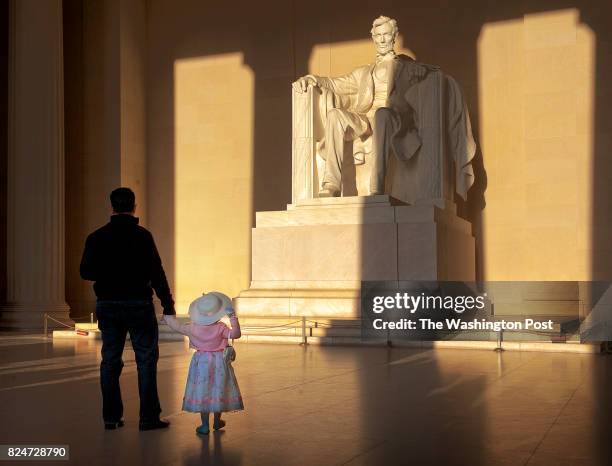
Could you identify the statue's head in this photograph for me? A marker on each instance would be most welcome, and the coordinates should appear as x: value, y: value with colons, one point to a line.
x: 384, y: 31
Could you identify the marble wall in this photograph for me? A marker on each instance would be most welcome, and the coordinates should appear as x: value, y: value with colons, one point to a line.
x: 537, y: 102
x: 536, y: 76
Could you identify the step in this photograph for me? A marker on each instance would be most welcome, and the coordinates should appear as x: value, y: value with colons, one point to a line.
x: 96, y: 335
x: 73, y: 335
x: 86, y: 326
x: 569, y: 347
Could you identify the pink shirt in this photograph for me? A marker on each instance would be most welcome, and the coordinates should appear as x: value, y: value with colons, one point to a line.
x: 211, y: 337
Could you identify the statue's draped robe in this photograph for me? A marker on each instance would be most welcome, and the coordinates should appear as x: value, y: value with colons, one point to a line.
x: 432, y: 130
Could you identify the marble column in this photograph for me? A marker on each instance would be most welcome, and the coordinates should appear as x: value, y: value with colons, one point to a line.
x: 35, y: 191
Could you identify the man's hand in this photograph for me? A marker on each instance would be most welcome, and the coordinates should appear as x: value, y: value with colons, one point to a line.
x: 162, y: 320
x: 303, y: 83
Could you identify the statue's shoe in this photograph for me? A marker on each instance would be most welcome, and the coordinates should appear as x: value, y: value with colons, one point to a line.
x: 329, y: 192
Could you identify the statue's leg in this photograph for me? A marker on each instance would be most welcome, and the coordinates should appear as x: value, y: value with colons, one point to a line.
x: 385, y: 125
x: 341, y: 126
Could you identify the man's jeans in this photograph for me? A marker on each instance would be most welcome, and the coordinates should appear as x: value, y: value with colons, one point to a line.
x: 115, y: 319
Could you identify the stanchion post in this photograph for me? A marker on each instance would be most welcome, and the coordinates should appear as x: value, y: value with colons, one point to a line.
x: 91, y: 318
x: 304, y: 342
x: 500, y: 339
x: 45, y: 324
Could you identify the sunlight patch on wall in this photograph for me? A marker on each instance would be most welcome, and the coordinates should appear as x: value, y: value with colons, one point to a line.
x: 536, y: 78
x: 213, y: 175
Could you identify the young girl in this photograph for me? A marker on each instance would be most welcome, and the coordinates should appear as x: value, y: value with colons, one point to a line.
x: 211, y: 384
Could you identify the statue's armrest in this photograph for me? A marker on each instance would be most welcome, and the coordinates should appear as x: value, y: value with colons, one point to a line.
x: 309, y: 115
x: 304, y: 112
x: 305, y: 122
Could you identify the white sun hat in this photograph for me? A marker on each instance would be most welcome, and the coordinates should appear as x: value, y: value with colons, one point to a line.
x: 209, y: 308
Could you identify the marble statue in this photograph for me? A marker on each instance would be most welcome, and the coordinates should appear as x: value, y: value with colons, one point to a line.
x: 394, y: 106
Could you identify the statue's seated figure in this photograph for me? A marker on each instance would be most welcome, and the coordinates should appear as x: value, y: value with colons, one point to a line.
x: 394, y: 106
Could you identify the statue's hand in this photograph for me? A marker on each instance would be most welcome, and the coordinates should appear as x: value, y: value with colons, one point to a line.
x: 303, y: 83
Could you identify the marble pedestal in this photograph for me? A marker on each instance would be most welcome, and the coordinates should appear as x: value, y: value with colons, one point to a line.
x: 312, y: 259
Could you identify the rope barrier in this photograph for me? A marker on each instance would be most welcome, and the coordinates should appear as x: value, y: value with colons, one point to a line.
x: 263, y: 329
x: 319, y: 324
x: 271, y: 326
x: 47, y: 317
x: 61, y: 323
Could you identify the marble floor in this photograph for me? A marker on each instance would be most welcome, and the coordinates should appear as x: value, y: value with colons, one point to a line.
x: 322, y: 406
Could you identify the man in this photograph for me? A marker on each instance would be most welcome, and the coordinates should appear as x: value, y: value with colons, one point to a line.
x: 370, y: 101
x: 122, y: 260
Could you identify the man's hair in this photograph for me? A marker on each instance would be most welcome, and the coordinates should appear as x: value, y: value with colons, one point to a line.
x: 383, y: 20
x: 123, y: 200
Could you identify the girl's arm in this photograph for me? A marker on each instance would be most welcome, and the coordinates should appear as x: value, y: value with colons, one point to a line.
x: 234, y: 332
x: 174, y: 324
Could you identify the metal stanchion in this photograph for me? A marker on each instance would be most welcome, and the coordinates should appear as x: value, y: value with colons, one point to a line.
x: 91, y: 318
x: 45, y: 324
x: 500, y: 340
x: 304, y: 341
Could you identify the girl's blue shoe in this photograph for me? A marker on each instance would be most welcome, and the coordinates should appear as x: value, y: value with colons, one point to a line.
x: 202, y: 430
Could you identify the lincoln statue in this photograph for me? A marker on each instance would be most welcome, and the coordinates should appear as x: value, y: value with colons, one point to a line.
x: 380, y: 108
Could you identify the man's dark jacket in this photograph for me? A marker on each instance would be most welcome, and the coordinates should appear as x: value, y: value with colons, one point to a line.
x: 122, y: 260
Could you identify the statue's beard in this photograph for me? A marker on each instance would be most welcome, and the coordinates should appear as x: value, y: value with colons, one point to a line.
x: 383, y: 50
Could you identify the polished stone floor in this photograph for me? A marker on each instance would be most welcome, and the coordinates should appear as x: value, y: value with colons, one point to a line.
x: 322, y: 406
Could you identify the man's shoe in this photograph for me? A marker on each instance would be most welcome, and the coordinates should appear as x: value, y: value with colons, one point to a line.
x: 329, y: 192
x: 158, y: 424
x: 113, y: 425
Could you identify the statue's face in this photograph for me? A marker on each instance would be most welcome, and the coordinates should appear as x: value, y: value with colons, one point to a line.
x: 383, y: 38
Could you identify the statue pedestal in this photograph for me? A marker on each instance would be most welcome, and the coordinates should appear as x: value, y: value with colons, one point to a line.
x: 311, y: 259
